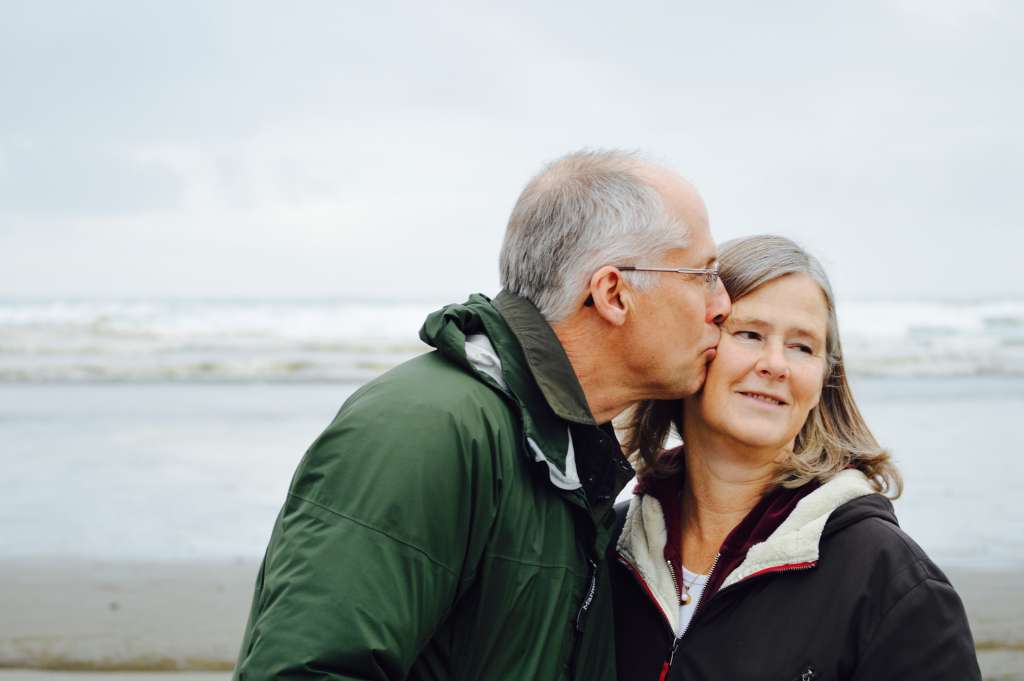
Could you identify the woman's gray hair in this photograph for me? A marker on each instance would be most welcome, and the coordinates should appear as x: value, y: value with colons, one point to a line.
x: 584, y: 211
x: 834, y: 436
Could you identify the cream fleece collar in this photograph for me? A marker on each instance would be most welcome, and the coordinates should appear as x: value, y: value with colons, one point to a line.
x: 795, y: 542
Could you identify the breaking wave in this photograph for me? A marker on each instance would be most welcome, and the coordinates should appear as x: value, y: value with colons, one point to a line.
x: 350, y: 342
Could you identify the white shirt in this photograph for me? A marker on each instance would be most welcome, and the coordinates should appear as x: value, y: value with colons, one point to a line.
x: 695, y: 586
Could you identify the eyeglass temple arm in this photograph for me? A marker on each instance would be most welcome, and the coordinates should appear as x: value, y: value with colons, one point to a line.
x: 684, y: 270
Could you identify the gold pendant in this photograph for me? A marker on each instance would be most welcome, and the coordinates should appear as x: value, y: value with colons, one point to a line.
x: 685, y: 599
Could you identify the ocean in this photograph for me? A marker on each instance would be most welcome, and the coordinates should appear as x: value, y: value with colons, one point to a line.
x: 169, y: 430
x: 202, y: 341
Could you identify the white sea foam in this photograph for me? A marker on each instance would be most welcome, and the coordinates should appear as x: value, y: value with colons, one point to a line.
x: 205, y: 340
x: 933, y: 339
x: 323, y: 340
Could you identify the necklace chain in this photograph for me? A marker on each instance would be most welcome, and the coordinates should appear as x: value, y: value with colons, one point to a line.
x: 686, y: 587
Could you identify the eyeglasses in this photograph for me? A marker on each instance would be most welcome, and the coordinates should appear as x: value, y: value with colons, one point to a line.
x: 710, y: 274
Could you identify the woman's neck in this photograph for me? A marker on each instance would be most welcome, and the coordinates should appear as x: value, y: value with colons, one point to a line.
x: 722, y: 486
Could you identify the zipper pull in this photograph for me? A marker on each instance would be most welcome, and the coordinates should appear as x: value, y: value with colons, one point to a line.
x: 589, y: 598
x: 806, y: 675
x: 666, y: 666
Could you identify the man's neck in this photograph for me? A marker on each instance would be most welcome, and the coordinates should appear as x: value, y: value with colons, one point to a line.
x: 606, y: 390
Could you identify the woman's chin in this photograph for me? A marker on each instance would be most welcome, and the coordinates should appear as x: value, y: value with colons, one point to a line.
x: 767, y: 441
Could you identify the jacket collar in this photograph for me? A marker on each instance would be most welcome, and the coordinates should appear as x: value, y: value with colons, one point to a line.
x: 546, y: 358
x: 477, y: 336
x: 782, y: 532
x: 795, y: 542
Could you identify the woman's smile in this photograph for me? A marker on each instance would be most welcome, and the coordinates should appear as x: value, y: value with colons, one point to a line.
x: 763, y: 398
x: 770, y: 366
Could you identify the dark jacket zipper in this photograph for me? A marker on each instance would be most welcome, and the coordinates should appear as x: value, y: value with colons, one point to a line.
x: 581, y: 617
x: 581, y: 614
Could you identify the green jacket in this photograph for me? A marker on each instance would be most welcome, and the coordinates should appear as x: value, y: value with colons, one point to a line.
x: 451, y: 522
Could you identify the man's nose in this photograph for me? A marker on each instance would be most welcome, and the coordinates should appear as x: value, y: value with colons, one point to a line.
x: 718, y: 305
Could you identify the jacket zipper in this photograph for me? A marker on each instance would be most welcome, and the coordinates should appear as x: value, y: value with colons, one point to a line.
x: 589, y: 598
x: 675, y: 639
x: 581, y: 615
x: 704, y: 593
x: 679, y: 596
x: 675, y: 582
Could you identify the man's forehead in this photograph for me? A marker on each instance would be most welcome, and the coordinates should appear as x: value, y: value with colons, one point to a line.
x: 701, y: 247
x: 683, y: 201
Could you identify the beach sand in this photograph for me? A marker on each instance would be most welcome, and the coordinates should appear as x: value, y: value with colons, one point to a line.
x: 65, y: 614
x: 79, y: 620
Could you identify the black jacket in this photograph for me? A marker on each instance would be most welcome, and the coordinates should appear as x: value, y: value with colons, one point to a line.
x: 870, y: 606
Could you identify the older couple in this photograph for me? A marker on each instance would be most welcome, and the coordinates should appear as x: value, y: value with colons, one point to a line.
x: 456, y: 519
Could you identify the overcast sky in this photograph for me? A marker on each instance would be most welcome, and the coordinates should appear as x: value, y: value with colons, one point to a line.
x: 374, y: 149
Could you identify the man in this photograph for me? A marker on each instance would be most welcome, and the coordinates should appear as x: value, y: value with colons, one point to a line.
x: 451, y: 522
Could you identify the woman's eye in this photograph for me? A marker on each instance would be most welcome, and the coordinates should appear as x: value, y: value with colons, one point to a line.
x: 806, y: 349
x: 748, y: 335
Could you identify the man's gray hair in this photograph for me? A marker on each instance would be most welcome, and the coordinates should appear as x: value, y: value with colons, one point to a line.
x: 582, y: 212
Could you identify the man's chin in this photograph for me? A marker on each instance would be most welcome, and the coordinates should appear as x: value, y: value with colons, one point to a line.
x: 689, y: 386
x: 696, y: 388
x: 700, y: 376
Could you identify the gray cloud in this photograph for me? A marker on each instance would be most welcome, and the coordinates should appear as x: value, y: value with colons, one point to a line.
x: 374, y: 149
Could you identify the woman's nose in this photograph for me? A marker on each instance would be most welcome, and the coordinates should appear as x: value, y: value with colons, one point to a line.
x: 772, y: 363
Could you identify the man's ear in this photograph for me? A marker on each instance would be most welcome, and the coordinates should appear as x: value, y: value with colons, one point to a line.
x: 610, y: 295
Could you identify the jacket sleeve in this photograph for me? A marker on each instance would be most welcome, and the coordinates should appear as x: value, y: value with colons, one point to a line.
x: 924, y: 636
x: 386, y: 517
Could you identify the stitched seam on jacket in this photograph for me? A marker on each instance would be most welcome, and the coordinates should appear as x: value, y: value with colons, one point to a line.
x: 881, y: 620
x: 362, y: 523
x: 520, y: 561
x: 915, y: 551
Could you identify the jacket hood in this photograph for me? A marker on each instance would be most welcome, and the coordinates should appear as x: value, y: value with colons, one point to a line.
x: 860, y: 508
x: 447, y: 328
x: 476, y: 336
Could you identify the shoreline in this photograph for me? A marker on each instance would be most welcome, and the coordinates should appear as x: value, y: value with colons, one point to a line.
x: 84, y: 619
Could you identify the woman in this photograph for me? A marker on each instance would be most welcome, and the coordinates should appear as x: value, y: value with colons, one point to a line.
x: 763, y: 547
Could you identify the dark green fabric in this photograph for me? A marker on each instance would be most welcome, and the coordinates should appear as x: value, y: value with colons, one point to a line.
x: 546, y: 358
x: 421, y: 540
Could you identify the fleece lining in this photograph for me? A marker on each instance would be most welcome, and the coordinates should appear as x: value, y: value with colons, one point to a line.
x: 794, y: 542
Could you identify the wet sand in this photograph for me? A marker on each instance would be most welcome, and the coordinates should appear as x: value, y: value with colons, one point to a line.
x: 81, y: 620
x: 79, y: 615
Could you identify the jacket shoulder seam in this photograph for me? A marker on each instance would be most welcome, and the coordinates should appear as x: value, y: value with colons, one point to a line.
x: 918, y: 561
x: 881, y: 620
x: 362, y: 523
x: 919, y: 557
x: 530, y: 563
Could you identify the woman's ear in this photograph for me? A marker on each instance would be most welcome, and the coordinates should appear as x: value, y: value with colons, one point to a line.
x: 610, y: 295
